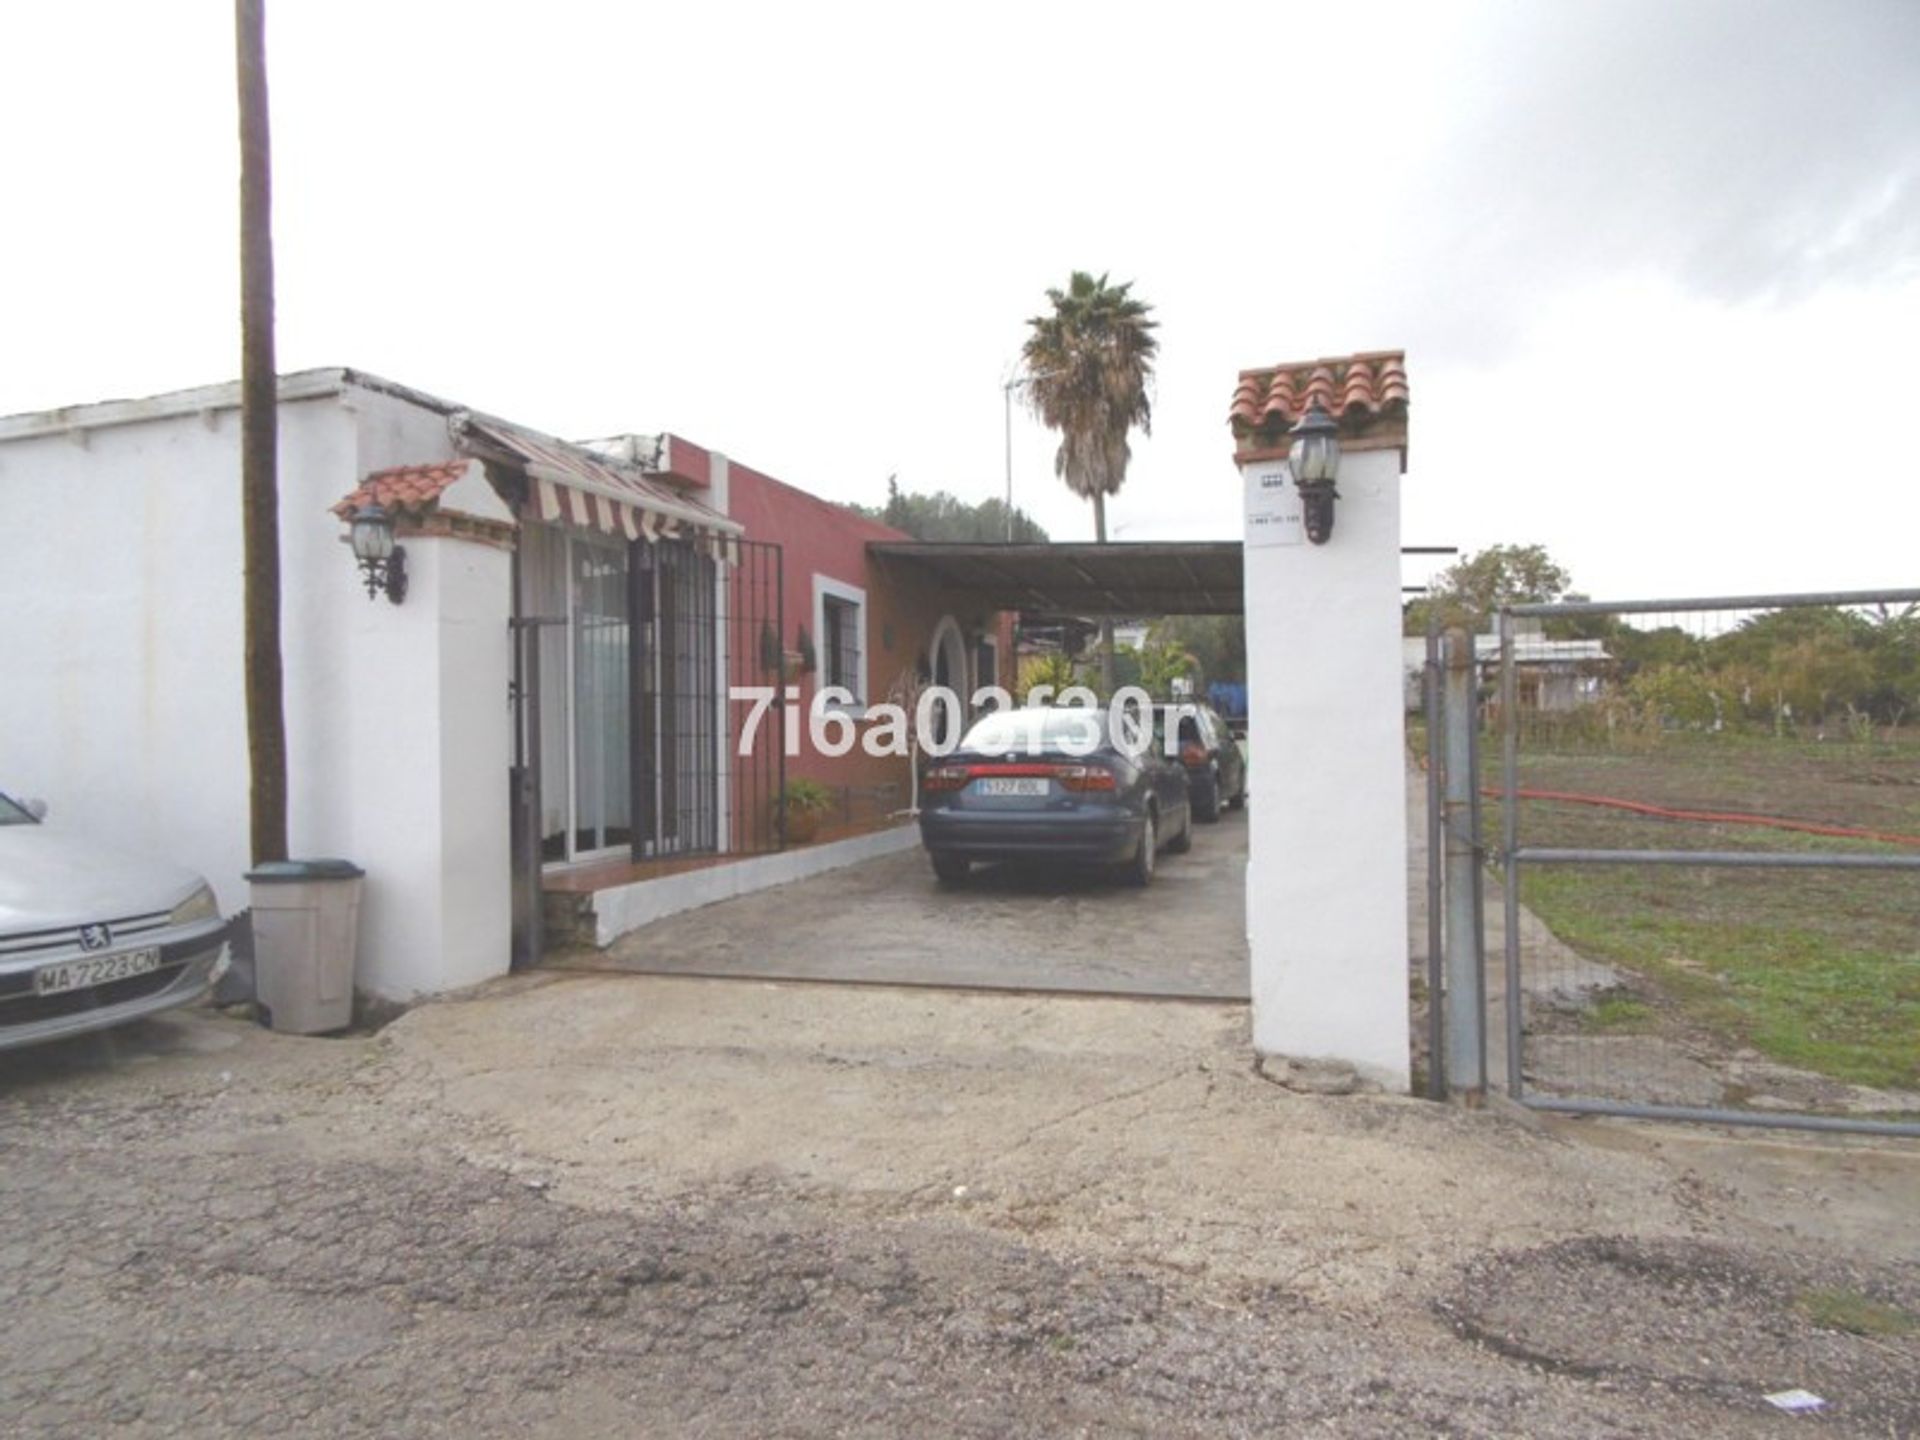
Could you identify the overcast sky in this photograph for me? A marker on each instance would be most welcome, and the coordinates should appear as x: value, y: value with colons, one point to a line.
x: 1656, y: 266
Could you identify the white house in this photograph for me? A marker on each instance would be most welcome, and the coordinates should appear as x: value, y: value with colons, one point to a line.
x: 545, y: 719
x: 1548, y: 674
x: 121, y: 663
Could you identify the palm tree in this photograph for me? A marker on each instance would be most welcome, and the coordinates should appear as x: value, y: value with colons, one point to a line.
x: 1089, y: 366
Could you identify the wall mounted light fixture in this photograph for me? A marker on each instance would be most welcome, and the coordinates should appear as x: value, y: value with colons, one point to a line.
x: 1315, y: 462
x: 383, y: 564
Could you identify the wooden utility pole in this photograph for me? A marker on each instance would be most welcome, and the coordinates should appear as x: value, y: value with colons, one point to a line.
x: 259, y: 438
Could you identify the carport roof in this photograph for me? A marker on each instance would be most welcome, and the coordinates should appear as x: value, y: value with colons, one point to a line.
x: 1197, y: 577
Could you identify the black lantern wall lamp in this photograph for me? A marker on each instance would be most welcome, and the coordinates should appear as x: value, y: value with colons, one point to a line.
x: 1315, y: 462
x: 383, y: 564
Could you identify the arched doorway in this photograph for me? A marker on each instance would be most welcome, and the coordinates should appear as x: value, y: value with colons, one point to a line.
x: 947, y: 664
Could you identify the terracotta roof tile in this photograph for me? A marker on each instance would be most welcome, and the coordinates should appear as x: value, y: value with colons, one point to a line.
x: 1354, y: 390
x: 411, y: 490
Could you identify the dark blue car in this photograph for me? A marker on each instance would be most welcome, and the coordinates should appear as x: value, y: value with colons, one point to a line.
x: 1216, y: 768
x: 1052, y: 785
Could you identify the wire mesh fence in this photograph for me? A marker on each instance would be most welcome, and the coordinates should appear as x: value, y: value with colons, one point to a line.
x: 1710, y: 814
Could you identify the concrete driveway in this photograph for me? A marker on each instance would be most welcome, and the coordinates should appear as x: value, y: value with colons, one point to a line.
x: 1011, y: 928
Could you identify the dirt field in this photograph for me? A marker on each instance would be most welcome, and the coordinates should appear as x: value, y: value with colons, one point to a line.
x: 1785, y: 989
x: 618, y: 1206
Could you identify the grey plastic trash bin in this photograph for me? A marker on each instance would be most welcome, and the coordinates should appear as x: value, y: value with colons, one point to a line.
x: 306, y: 928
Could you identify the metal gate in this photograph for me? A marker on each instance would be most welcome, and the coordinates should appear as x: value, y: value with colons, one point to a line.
x: 754, y: 763
x: 1710, y: 863
x: 1455, y: 989
x: 709, y: 627
x: 699, y: 629
x: 523, y: 786
x: 678, y: 760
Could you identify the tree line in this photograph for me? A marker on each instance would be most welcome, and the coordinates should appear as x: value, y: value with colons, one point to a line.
x: 944, y: 518
x: 1782, y: 669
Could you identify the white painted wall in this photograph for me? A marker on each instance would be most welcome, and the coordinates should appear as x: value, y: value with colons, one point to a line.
x: 1327, y: 869
x: 430, y: 734
x: 121, y: 670
x: 121, y: 664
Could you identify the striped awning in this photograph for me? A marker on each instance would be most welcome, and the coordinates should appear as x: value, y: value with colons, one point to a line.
x: 571, y: 485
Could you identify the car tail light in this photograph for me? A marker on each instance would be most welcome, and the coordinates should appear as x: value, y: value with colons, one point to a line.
x: 1085, y: 777
x: 946, y: 777
x: 1192, y: 755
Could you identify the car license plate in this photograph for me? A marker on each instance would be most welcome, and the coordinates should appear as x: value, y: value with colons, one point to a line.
x: 1013, y: 786
x: 94, y: 970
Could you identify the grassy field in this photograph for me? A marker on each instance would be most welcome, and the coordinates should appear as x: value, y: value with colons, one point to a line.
x: 1819, y: 970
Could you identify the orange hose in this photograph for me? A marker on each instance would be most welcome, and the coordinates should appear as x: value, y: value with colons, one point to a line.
x: 1772, y: 822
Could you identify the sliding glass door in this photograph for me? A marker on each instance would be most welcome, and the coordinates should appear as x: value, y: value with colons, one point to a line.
x: 602, y: 655
x: 585, y: 761
x: 629, y: 747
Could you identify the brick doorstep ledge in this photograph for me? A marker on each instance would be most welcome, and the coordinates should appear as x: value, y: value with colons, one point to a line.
x: 611, y: 874
x: 604, y: 914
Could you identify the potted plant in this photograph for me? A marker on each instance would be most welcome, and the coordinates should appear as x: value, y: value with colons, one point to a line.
x: 804, y: 803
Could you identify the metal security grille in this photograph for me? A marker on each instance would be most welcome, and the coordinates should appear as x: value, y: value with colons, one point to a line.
x: 1710, y: 822
x: 677, y: 761
x: 753, y: 623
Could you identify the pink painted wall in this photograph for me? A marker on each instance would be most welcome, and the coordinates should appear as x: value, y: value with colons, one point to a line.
x: 820, y: 537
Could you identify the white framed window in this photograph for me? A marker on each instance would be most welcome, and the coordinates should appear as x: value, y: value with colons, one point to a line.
x: 840, y: 635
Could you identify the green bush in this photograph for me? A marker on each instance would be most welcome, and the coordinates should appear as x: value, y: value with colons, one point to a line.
x: 1675, y: 695
x: 804, y: 796
x: 1053, y: 669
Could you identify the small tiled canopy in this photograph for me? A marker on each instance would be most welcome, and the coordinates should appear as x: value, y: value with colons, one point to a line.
x: 1366, y: 394
x: 410, y: 490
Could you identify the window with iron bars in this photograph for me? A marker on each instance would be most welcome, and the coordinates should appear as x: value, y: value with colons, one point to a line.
x: 840, y: 644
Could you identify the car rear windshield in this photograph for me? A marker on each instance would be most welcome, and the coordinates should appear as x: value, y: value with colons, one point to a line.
x: 1037, y: 731
x: 1191, y: 728
x: 12, y: 814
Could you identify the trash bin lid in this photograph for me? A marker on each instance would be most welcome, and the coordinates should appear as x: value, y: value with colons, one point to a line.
x: 287, y: 872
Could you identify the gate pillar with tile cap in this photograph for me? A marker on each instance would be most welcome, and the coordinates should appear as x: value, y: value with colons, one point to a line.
x: 424, y: 735
x: 1327, y: 866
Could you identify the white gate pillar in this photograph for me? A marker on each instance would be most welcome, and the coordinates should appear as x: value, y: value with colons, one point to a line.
x: 1327, y: 868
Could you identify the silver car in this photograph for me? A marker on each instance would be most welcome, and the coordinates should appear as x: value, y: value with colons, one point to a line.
x: 89, y: 938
